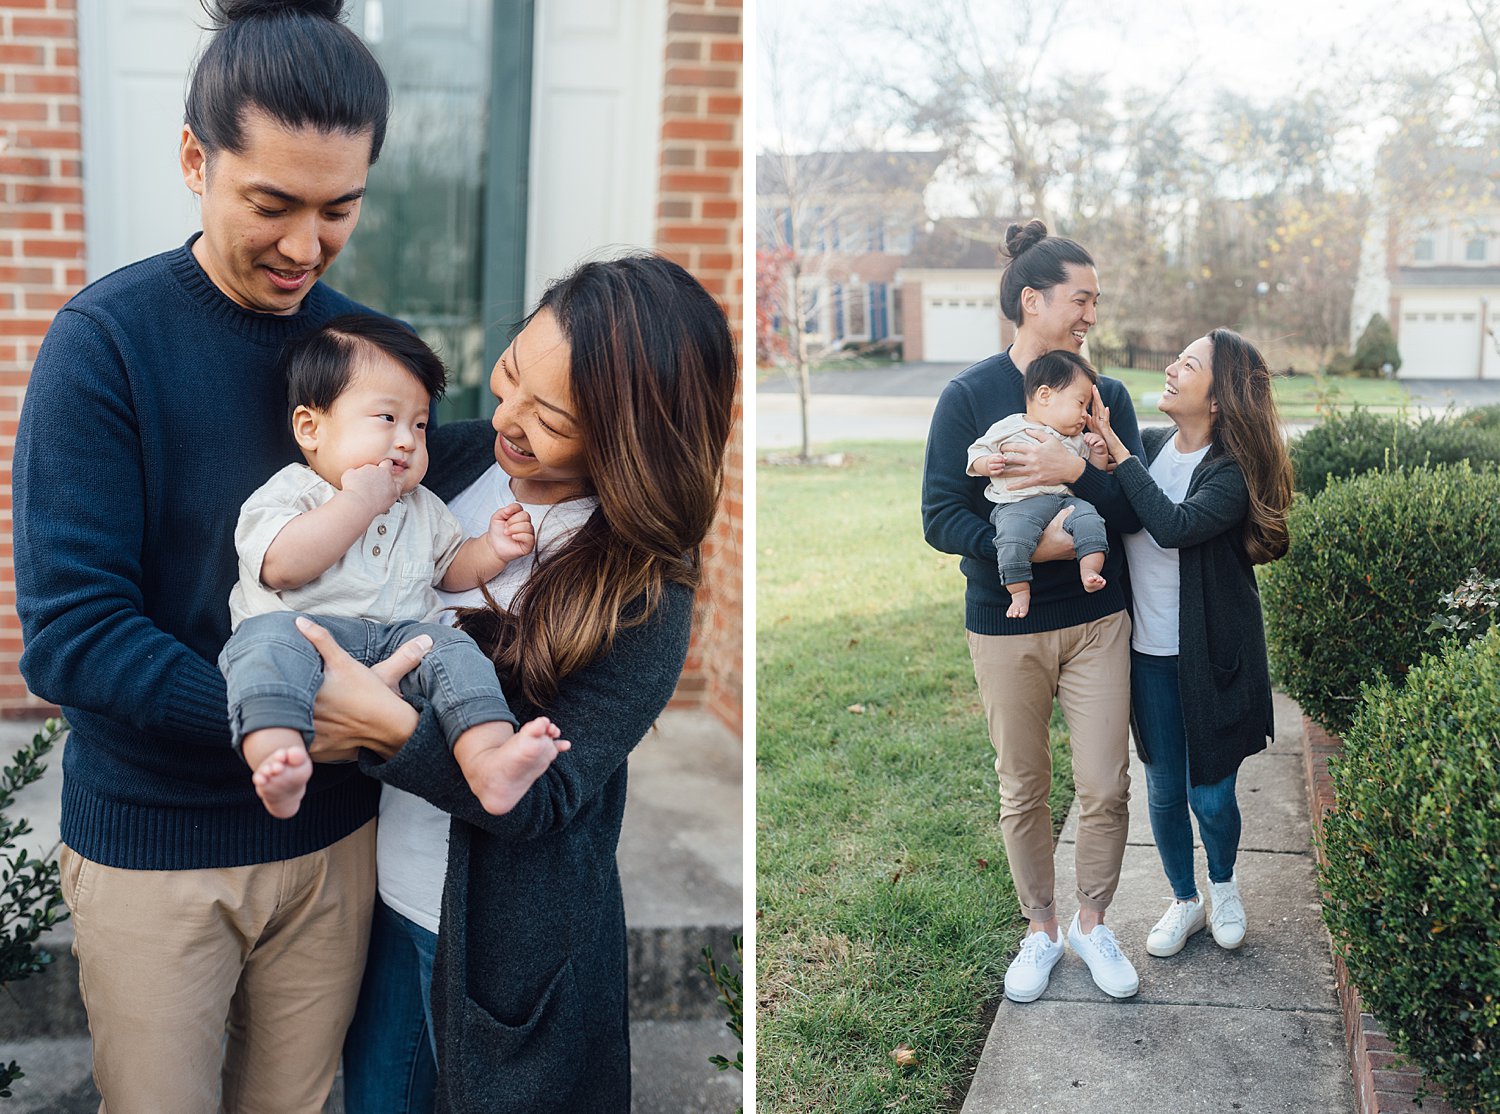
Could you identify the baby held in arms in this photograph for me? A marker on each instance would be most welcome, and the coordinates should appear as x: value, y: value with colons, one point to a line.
x: 350, y: 540
x: 1059, y: 387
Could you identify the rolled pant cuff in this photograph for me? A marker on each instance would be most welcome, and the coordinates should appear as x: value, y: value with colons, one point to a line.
x: 263, y: 710
x: 1040, y: 912
x: 1094, y: 904
x: 483, y: 708
x: 1015, y: 574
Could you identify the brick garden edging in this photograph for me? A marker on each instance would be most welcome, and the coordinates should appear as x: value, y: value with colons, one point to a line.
x: 1383, y: 1082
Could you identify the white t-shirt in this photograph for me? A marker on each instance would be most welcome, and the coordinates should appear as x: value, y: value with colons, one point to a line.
x: 1154, y: 580
x: 411, y: 841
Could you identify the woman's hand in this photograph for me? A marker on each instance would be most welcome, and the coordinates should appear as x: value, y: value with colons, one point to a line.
x: 359, y: 706
x: 1098, y: 420
x: 1040, y: 463
x: 1056, y: 543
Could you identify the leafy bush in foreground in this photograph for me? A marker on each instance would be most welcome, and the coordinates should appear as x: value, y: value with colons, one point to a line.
x: 1354, y: 597
x: 1412, y: 871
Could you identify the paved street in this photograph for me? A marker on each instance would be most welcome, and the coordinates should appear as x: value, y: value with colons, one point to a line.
x: 895, y: 404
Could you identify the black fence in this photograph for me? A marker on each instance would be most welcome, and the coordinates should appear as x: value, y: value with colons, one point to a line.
x: 1129, y: 355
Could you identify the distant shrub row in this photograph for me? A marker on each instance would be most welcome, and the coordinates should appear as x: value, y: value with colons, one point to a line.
x: 1354, y: 441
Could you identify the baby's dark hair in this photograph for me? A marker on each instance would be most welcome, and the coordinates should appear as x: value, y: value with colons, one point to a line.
x: 320, y: 365
x: 1056, y: 370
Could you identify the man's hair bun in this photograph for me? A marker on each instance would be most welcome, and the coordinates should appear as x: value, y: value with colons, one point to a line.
x: 1019, y: 237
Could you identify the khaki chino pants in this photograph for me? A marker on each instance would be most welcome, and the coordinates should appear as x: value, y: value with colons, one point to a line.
x: 1087, y: 668
x: 169, y: 961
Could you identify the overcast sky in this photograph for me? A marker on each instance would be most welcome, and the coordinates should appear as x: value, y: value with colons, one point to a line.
x: 1253, y: 47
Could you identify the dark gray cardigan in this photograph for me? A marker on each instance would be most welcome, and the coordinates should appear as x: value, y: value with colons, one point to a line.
x: 1221, y: 657
x: 529, y: 988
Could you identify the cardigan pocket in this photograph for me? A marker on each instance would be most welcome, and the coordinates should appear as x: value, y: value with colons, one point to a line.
x: 532, y: 1052
x: 1231, y: 694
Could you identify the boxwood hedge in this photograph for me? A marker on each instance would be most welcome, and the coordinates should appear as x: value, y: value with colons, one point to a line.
x: 1354, y: 597
x: 1351, y: 442
x: 1412, y: 865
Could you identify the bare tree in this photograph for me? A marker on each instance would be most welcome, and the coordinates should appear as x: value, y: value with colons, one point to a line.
x: 821, y: 199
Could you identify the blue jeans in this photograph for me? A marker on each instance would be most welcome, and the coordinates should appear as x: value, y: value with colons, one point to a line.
x: 1019, y: 526
x: 273, y: 672
x: 390, y: 1052
x: 1157, y: 707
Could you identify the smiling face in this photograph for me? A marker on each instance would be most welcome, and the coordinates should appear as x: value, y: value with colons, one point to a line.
x: 1062, y: 408
x: 1190, y: 381
x: 277, y: 213
x: 381, y: 415
x: 539, y: 440
x: 1061, y: 316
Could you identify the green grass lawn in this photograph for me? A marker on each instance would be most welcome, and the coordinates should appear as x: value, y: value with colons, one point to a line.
x: 886, y: 914
x: 1297, y: 397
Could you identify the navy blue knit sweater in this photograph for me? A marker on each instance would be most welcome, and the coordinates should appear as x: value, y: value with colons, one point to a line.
x: 152, y: 412
x: 956, y: 515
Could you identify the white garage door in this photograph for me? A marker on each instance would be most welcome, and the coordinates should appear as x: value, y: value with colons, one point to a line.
x: 961, y: 329
x: 1439, y: 345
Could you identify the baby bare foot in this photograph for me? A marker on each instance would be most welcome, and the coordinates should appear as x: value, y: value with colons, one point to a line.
x: 1020, y: 604
x: 281, y: 780
x: 502, y: 765
x: 1092, y: 581
x: 1088, y: 571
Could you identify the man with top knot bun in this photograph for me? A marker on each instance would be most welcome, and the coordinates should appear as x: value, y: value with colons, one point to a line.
x: 152, y: 413
x: 1073, y: 641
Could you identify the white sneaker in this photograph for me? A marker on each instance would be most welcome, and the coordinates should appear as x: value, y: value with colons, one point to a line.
x: 1028, y: 974
x: 1181, y: 920
x: 1112, y: 972
x: 1227, y: 921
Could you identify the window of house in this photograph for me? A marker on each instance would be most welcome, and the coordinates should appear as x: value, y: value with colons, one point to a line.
x: 1474, y: 250
x: 896, y: 316
x: 1426, y: 249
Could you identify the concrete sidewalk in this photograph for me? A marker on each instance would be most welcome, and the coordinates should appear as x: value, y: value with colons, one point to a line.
x: 1257, y: 1030
x: 680, y: 870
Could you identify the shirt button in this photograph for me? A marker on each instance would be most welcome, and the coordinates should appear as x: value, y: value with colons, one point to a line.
x: 380, y: 529
x: 376, y: 551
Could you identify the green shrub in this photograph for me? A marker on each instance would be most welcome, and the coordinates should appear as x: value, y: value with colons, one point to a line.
x: 1351, y: 442
x: 1340, y: 363
x: 1354, y: 597
x: 30, y: 893
x: 1376, y: 347
x: 1483, y: 417
x: 1412, y: 871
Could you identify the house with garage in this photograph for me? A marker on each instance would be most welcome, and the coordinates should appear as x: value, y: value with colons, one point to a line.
x: 1434, y: 272
x: 845, y: 221
x: 950, y: 286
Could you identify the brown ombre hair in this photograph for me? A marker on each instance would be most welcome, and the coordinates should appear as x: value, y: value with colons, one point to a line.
x: 1248, y: 428
x: 653, y: 375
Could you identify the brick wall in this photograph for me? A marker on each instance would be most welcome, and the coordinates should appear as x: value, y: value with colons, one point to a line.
x: 41, y: 244
x: 700, y: 220
x: 913, y: 336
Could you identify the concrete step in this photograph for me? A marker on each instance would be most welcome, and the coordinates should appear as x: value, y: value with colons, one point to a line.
x: 670, y: 1072
x: 680, y: 869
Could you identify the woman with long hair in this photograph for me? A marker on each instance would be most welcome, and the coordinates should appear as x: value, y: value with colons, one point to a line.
x: 1212, y: 495
x: 613, y: 407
